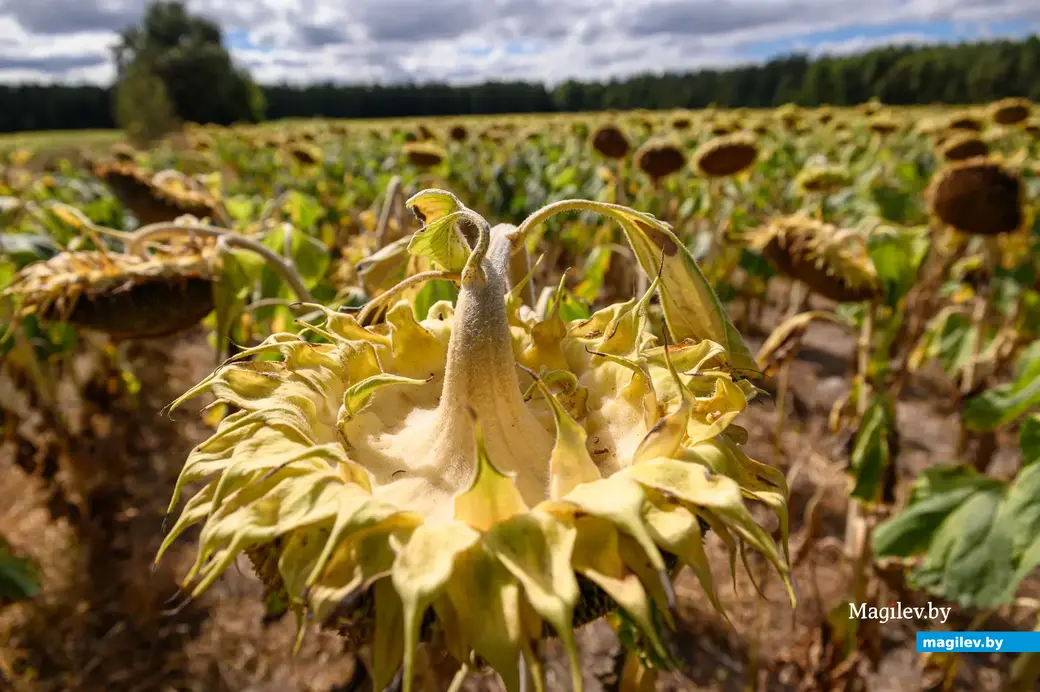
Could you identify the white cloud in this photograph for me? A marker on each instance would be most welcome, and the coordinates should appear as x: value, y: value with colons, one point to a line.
x: 305, y: 41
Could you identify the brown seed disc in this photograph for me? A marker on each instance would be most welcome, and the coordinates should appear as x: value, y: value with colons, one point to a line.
x: 610, y: 141
x: 304, y: 154
x: 964, y: 121
x: 458, y: 133
x: 659, y: 159
x: 963, y: 147
x: 424, y: 154
x: 725, y: 156
x: 158, y: 307
x: 1011, y: 111
x: 149, y: 202
x: 805, y: 249
x: 682, y: 122
x: 978, y: 196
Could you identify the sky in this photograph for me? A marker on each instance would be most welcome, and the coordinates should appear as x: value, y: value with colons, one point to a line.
x: 466, y: 41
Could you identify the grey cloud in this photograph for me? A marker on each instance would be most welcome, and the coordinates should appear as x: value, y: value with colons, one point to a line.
x: 708, y: 17
x: 55, y: 17
x: 418, y: 20
x: 51, y: 63
x: 317, y: 36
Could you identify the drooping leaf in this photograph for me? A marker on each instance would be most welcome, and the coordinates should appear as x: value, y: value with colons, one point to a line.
x: 1006, y: 402
x: 872, y: 451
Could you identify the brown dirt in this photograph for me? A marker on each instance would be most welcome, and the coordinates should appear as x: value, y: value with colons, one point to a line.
x: 107, y: 621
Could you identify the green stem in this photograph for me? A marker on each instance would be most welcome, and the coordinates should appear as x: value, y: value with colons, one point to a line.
x: 162, y: 231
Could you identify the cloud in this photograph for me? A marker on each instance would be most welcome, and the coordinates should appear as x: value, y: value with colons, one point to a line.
x: 367, y: 41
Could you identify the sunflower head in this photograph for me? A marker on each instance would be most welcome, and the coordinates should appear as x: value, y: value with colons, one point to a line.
x: 610, y: 141
x: 832, y: 262
x: 124, y: 296
x: 1010, y: 111
x: 823, y: 179
x: 962, y: 146
x: 724, y: 156
x: 424, y: 154
x: 682, y: 122
x: 978, y: 196
x: 883, y: 123
x: 964, y: 121
x: 458, y: 132
x: 151, y: 198
x: 659, y: 158
x: 491, y: 474
x: 305, y: 153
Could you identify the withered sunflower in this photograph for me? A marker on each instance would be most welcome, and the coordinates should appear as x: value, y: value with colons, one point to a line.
x: 960, y: 147
x: 150, y: 201
x: 487, y: 476
x: 1010, y: 111
x: 124, y: 296
x: 818, y: 254
x: 727, y: 155
x: 823, y: 179
x: 978, y: 196
x: 609, y: 140
x: 659, y: 158
x: 424, y: 154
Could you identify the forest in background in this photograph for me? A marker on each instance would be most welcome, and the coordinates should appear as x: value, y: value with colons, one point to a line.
x: 905, y: 75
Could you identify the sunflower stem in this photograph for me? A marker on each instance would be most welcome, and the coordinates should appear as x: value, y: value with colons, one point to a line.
x: 383, y: 297
x: 393, y: 192
x: 161, y: 231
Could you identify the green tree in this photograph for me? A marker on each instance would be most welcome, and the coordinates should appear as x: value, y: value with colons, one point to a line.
x: 187, y: 54
x: 142, y: 105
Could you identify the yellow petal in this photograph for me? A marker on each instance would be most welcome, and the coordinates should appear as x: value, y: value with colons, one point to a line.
x: 536, y: 549
x: 493, y: 497
x: 420, y: 572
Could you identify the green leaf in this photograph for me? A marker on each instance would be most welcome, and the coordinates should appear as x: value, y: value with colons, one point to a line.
x: 936, y: 493
x: 969, y: 556
x: 304, y: 210
x: 19, y: 578
x: 230, y: 292
x: 979, y: 537
x: 241, y: 208
x: 308, y: 255
x: 443, y: 242
x: 872, y: 452
x: 897, y: 256
x: 1029, y: 440
x: 1005, y: 403
x: 26, y: 248
x: 434, y: 292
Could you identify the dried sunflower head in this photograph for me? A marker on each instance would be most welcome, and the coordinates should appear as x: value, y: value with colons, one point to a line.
x: 823, y: 179
x: 883, y: 124
x: 124, y: 296
x: 964, y: 121
x: 609, y: 140
x: 724, y: 156
x: 489, y: 475
x: 682, y: 121
x: 830, y: 261
x: 1010, y: 111
x: 960, y: 147
x: 424, y: 154
x: 659, y: 158
x: 305, y: 154
x: 123, y: 152
x: 978, y: 196
x: 153, y: 199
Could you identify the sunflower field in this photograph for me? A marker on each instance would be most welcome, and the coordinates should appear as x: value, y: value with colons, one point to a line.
x: 644, y: 400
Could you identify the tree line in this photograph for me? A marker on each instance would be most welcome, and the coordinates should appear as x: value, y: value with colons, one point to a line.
x: 905, y: 75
